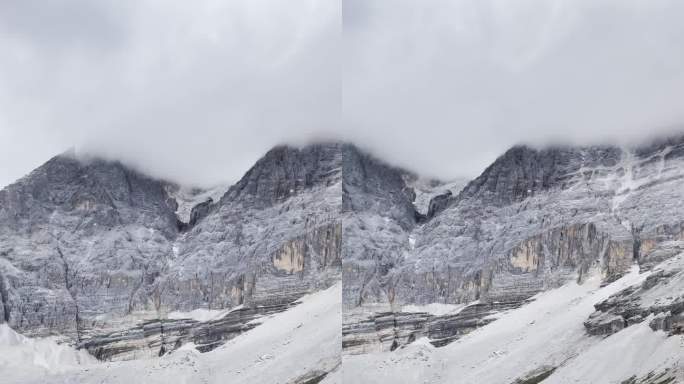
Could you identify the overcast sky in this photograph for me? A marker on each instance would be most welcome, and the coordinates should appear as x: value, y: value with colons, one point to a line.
x: 197, y: 91
x: 446, y: 86
x: 189, y: 90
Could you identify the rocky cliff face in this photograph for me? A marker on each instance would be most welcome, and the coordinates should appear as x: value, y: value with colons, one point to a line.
x: 156, y: 337
x: 78, y: 240
x: 659, y: 300
x: 377, y: 216
x: 387, y: 331
x: 272, y: 237
x: 93, y: 247
x: 534, y: 220
x: 101, y: 253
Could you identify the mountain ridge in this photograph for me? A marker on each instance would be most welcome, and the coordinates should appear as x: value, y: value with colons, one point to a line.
x: 91, y: 246
x: 98, y: 252
x: 534, y: 220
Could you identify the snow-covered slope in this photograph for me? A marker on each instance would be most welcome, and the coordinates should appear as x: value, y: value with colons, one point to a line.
x: 20, y: 355
x: 544, y: 337
x: 292, y: 347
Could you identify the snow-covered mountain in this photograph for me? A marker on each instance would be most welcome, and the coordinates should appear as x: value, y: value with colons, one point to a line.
x: 534, y: 221
x: 539, y: 269
x: 97, y: 253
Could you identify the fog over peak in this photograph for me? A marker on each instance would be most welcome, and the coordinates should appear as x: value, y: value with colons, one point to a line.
x: 190, y: 91
x: 196, y: 92
x: 445, y: 87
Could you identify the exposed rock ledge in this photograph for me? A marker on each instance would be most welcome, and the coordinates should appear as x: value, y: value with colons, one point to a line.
x: 388, y: 331
x: 660, y: 299
x: 160, y: 336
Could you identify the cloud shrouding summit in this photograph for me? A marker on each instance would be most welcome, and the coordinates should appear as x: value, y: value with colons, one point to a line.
x: 190, y: 90
x: 446, y: 86
x: 197, y: 91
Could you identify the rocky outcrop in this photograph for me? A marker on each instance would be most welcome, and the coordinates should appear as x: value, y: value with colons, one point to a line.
x: 666, y: 376
x: 658, y: 300
x: 660, y: 245
x: 199, y: 212
x: 387, y: 331
x: 536, y: 376
x: 323, y: 369
x: 160, y: 336
x: 438, y: 204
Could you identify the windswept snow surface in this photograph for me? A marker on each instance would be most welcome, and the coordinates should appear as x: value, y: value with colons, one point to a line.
x: 284, y: 347
x: 40, y: 356
x: 637, y: 350
x: 335, y: 377
x: 545, y: 333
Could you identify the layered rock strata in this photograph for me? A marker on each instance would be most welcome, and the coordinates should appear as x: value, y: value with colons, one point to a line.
x: 534, y: 220
x: 160, y: 336
x: 659, y: 300
x: 97, y: 251
x: 387, y: 331
x: 93, y: 247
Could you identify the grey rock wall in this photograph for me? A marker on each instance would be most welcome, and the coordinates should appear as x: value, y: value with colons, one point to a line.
x: 98, y: 252
x: 534, y: 220
x: 658, y: 300
x: 91, y: 247
x: 157, y: 337
x: 80, y: 238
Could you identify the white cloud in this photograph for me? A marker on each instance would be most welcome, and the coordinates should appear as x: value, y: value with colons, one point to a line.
x: 197, y: 91
x: 446, y: 86
x: 194, y: 91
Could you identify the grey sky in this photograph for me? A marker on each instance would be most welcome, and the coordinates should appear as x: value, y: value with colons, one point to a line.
x: 446, y: 86
x: 197, y: 91
x: 190, y: 90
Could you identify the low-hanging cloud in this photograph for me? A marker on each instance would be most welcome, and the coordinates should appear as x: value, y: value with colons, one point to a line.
x: 194, y: 91
x: 446, y: 86
x: 197, y: 91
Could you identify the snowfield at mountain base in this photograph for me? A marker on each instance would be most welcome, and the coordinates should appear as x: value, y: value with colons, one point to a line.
x: 299, y: 343
x: 546, y: 336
